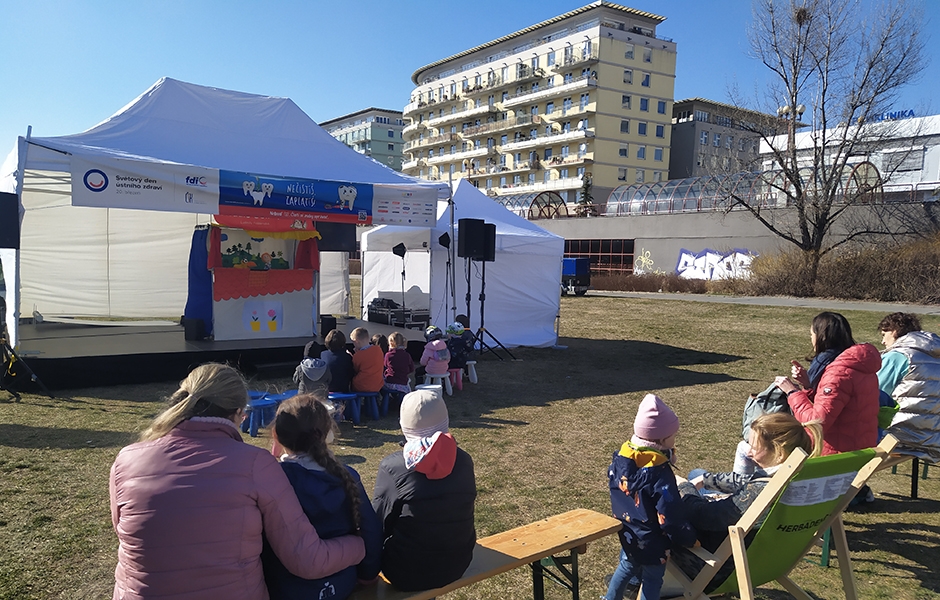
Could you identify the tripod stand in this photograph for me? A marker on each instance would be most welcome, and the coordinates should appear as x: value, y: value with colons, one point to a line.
x: 12, y: 363
x: 479, y: 337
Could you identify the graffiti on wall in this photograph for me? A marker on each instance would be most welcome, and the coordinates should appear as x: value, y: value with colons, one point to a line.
x: 713, y: 265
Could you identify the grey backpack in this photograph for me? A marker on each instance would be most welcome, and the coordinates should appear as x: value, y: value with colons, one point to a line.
x: 771, y: 400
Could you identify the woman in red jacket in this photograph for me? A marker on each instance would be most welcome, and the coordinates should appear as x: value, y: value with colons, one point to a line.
x: 190, y: 500
x: 840, y: 388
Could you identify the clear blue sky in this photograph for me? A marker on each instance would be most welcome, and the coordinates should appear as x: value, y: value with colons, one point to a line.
x: 65, y: 65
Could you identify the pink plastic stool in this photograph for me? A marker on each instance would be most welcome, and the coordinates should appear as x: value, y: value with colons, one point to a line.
x: 456, y: 378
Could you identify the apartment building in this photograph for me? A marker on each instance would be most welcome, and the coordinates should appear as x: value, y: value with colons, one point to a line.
x: 585, y: 94
x: 712, y: 138
x: 375, y: 132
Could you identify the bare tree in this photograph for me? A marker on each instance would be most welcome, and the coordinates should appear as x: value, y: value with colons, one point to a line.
x: 837, y: 66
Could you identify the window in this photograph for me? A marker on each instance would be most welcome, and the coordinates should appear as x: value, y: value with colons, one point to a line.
x: 563, y: 173
x: 729, y: 141
x: 585, y: 100
x: 658, y: 154
x: 551, y: 58
x: 644, y: 104
x: 489, y: 183
x: 568, y: 78
x: 586, y: 48
x: 548, y: 153
x: 582, y: 150
x: 531, y: 178
x: 621, y: 174
x: 504, y: 74
x: 566, y: 127
x: 581, y: 172
x: 657, y: 175
x: 641, y: 128
x: 549, y: 108
x: 391, y: 133
x: 625, y: 101
x: 516, y: 179
x: 703, y: 138
x: 647, y: 55
x: 640, y: 175
x: 646, y: 80
x: 629, y: 52
x: 742, y: 144
x: 535, y: 62
x: 533, y: 133
x: 625, y: 126
x: 464, y: 85
x: 564, y: 151
x: 565, y: 106
x: 701, y: 115
x: 478, y: 80
x: 641, y: 152
x: 660, y: 131
x: 502, y: 181
x: 391, y: 147
x: 547, y: 176
x: 502, y: 140
x: 534, y: 109
x: 535, y: 86
x: 716, y: 140
x: 661, y: 107
x: 628, y: 75
x: 453, y: 149
x: 624, y: 150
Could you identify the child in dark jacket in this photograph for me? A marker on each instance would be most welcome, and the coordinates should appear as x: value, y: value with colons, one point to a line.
x: 460, y: 344
x: 339, y: 361
x: 644, y: 495
x: 331, y: 495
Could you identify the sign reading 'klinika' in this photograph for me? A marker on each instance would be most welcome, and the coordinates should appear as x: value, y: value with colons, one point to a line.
x: 893, y: 115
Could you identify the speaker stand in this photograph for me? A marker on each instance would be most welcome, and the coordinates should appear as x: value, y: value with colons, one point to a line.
x: 478, y: 338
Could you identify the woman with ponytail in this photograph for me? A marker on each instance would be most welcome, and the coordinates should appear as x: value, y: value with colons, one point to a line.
x: 331, y: 495
x: 190, y: 499
x: 772, y: 438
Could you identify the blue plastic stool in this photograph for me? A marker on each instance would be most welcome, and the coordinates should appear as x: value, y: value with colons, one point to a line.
x: 352, y: 405
x: 281, y: 397
x: 253, y: 395
x: 260, y: 413
x: 373, y: 399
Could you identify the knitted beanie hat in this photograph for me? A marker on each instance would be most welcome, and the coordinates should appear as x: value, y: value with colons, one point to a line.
x: 423, y: 413
x: 654, y: 420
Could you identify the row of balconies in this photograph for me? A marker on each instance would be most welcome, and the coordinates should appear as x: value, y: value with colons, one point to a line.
x: 568, y: 183
x: 444, y: 138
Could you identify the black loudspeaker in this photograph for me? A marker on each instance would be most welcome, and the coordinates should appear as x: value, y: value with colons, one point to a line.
x: 10, y: 222
x: 470, y: 238
x: 489, y: 242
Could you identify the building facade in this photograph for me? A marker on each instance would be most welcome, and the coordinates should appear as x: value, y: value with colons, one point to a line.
x: 710, y: 138
x: 585, y: 94
x: 375, y: 132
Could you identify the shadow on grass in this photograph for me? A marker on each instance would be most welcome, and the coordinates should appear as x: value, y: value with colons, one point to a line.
x: 28, y: 436
x: 910, y: 541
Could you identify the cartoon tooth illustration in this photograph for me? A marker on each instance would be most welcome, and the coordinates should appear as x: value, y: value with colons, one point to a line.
x: 347, y: 195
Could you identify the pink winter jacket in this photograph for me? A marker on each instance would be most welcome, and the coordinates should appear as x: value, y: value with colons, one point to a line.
x: 845, y: 400
x: 189, y: 509
x: 436, y: 357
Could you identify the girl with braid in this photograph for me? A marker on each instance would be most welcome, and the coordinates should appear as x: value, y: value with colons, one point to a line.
x: 330, y: 494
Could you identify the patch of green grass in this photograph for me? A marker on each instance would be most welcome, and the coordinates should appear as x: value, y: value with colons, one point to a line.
x: 541, y: 431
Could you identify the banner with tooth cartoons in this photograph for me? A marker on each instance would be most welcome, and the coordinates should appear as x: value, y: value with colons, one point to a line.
x: 275, y: 203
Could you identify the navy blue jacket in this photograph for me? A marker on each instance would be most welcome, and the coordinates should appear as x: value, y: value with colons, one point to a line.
x: 323, y: 498
x: 644, y: 496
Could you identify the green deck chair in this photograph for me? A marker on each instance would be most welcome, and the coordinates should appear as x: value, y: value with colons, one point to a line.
x: 806, y: 497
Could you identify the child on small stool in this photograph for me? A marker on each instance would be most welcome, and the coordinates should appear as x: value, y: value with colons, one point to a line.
x: 368, y: 363
x: 645, y: 497
x: 398, y: 365
x: 459, y: 347
x: 436, y: 355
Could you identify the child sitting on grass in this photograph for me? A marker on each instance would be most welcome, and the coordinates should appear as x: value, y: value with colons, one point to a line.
x: 398, y: 364
x: 645, y: 497
x: 368, y: 363
x: 331, y: 496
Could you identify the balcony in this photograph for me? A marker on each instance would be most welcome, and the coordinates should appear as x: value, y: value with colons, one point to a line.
x: 572, y: 159
x: 569, y: 183
x: 579, y: 83
x: 446, y: 138
x: 458, y: 156
x: 505, y: 124
x: 414, y: 127
x: 578, y: 58
x: 546, y: 140
x: 464, y: 114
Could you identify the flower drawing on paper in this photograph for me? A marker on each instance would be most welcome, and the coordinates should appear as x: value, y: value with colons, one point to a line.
x: 273, y: 314
x: 254, y: 315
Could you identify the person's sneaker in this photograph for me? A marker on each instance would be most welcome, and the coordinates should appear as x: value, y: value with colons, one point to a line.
x: 864, y: 496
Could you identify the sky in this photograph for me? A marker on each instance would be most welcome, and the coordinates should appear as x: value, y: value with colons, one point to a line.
x: 66, y: 65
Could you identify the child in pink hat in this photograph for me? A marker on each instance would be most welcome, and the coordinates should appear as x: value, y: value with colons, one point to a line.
x: 644, y: 496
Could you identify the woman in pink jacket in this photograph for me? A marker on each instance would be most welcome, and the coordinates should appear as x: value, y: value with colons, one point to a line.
x: 190, y: 501
x: 840, y: 388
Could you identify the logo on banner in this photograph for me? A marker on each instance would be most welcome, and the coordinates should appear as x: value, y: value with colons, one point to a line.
x: 195, y: 181
x: 95, y: 180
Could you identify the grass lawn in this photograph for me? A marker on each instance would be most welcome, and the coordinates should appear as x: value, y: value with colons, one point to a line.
x: 541, y: 431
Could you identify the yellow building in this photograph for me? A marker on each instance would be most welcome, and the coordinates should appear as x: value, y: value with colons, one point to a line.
x: 587, y: 93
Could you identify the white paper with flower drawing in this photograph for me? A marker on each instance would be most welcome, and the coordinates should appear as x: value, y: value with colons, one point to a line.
x: 271, y: 316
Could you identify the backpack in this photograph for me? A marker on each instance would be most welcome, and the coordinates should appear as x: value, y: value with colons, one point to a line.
x: 771, y: 400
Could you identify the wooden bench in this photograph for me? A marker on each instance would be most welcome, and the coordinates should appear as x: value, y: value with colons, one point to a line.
x: 530, y: 544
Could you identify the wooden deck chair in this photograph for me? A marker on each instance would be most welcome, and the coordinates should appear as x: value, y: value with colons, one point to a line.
x: 806, y: 497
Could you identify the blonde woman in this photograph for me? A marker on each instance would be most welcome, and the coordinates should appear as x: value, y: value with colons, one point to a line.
x: 773, y: 437
x: 189, y: 502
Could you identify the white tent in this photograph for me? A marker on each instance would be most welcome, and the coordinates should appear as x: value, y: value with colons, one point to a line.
x: 522, y: 285
x: 165, y: 152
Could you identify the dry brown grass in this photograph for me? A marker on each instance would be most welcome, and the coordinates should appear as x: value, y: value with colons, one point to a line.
x: 541, y: 431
